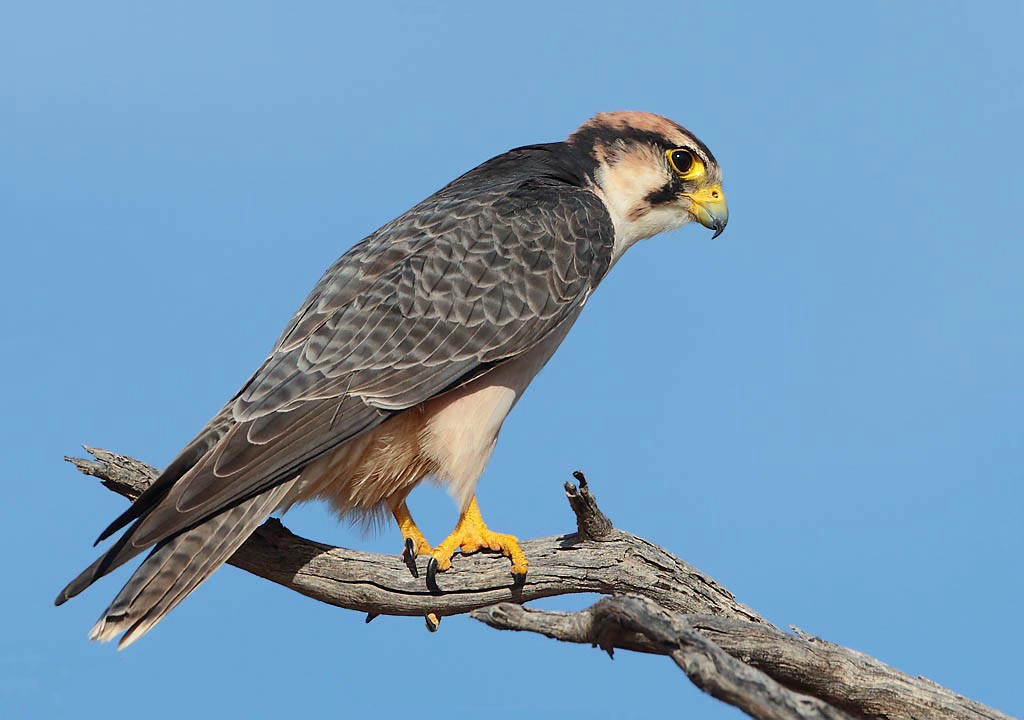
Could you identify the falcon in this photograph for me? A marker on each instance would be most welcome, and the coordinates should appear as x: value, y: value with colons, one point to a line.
x: 408, y: 354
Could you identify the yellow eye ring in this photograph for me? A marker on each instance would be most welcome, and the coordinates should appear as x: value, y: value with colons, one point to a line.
x: 684, y: 163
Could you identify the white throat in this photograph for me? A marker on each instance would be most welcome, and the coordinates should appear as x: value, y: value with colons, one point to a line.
x: 624, y: 193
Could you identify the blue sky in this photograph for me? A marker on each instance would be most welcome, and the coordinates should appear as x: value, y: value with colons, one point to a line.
x: 823, y: 408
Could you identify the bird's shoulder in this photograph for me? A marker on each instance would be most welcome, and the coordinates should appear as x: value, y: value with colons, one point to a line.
x: 498, y: 227
x: 477, y: 273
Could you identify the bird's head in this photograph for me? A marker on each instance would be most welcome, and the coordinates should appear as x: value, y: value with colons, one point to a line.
x: 652, y: 173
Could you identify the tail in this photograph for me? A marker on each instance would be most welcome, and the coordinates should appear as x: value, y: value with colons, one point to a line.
x: 178, y: 565
x: 124, y: 549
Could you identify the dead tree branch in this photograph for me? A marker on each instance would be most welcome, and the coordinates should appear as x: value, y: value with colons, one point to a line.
x: 636, y: 623
x: 660, y: 605
x: 848, y: 680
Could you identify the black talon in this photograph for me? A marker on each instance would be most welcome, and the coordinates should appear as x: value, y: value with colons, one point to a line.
x: 409, y: 556
x: 432, y: 575
x: 370, y: 617
x: 518, y: 579
x: 433, y: 622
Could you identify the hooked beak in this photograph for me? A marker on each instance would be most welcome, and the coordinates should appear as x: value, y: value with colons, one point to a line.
x: 709, y: 209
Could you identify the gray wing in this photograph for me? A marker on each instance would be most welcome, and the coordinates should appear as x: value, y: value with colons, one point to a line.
x: 463, y: 281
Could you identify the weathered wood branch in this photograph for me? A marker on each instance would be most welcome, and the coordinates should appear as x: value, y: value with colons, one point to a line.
x: 615, y: 564
x: 848, y: 680
x: 636, y: 623
x: 661, y: 605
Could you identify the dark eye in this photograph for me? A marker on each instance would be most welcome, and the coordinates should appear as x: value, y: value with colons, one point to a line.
x: 682, y: 160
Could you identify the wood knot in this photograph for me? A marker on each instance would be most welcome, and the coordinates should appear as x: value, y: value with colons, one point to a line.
x: 591, y: 523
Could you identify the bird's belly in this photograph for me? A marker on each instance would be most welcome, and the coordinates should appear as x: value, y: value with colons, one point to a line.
x: 449, y: 437
x: 461, y: 430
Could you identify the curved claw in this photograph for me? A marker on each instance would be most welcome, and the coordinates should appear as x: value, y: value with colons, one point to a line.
x: 415, y: 543
x: 409, y: 556
x: 518, y: 579
x: 432, y: 575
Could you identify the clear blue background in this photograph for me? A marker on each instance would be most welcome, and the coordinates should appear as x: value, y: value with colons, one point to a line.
x: 823, y: 408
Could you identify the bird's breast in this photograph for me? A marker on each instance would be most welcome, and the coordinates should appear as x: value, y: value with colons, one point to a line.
x: 449, y: 437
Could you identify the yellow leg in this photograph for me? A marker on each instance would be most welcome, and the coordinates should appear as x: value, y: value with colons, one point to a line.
x: 415, y: 542
x: 471, y: 534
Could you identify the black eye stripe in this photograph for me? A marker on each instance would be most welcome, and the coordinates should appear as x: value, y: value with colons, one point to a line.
x: 665, y: 194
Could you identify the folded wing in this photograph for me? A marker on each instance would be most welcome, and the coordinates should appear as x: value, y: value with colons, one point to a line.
x: 467, y: 279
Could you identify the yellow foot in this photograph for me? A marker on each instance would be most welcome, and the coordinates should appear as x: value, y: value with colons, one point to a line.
x: 471, y: 534
x: 415, y: 542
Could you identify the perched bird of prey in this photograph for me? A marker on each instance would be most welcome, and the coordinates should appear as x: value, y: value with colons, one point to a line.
x: 408, y: 354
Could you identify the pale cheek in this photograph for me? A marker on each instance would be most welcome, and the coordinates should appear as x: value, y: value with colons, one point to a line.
x: 664, y: 219
x: 656, y: 221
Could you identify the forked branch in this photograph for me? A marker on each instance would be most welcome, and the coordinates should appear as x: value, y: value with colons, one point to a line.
x: 660, y: 604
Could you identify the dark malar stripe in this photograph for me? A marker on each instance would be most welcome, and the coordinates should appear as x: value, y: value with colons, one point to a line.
x: 667, y: 193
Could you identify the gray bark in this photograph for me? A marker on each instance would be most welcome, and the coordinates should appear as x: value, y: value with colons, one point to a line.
x: 660, y: 604
x: 636, y: 623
